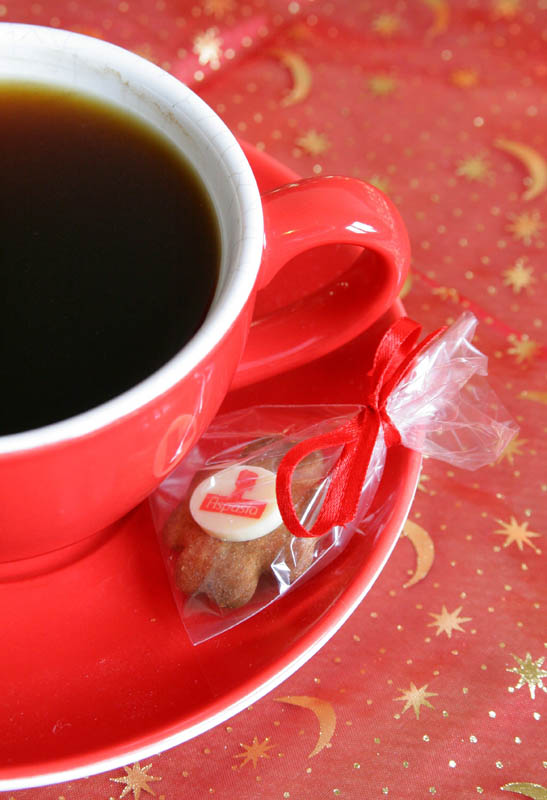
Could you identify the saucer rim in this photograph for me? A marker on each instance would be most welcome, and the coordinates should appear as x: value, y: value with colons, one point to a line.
x: 273, y: 677
x: 219, y: 710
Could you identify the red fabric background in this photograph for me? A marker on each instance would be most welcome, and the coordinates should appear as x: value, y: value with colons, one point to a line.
x: 427, y: 100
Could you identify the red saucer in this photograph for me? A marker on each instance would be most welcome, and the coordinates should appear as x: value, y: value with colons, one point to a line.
x: 97, y: 669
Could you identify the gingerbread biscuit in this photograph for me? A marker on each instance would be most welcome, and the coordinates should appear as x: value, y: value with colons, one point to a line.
x: 228, y: 571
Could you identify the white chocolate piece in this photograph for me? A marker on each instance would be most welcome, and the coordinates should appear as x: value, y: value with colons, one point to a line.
x: 237, y: 504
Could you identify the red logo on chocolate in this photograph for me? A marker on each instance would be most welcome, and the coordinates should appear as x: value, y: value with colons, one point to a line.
x: 235, y: 503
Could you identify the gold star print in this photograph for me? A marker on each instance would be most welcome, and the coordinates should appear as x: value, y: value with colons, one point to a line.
x: 519, y: 276
x: 145, y: 51
x: 380, y: 182
x: 421, y: 483
x: 386, y: 24
x: 524, y: 349
x: 382, y: 85
x: 416, y: 698
x: 474, y: 168
x: 447, y: 621
x: 218, y: 8
x: 136, y: 780
x: 526, y: 227
x: 313, y: 142
x: 512, y: 450
x: 506, y: 9
x: 447, y: 293
x: 464, y: 78
x: 300, y: 31
x: 254, y: 751
x: 207, y: 46
x: 519, y: 534
x: 530, y: 673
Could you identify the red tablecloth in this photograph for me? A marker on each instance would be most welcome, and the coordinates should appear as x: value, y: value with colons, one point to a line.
x: 433, y: 688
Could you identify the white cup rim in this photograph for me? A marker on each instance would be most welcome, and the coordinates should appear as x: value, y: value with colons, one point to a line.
x: 231, y: 299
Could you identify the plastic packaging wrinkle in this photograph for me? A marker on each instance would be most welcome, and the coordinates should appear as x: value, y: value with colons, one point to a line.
x: 227, y: 551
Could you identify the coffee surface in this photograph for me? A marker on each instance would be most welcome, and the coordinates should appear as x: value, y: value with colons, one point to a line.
x: 109, y: 254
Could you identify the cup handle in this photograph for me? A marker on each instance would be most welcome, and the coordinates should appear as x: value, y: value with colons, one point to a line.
x: 307, y: 214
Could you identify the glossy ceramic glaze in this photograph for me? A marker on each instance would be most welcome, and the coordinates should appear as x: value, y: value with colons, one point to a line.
x: 99, y: 670
x: 67, y: 481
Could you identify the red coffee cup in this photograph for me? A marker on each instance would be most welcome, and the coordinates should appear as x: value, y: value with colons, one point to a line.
x: 69, y: 480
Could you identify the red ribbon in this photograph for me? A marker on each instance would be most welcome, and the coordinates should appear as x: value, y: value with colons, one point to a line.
x: 394, y: 356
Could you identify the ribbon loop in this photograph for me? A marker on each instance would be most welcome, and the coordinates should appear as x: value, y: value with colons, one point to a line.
x: 393, y: 358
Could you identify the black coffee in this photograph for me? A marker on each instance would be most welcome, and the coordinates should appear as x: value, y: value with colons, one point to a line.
x: 109, y: 254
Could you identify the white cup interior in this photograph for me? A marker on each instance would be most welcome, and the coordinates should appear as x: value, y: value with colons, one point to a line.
x: 98, y: 69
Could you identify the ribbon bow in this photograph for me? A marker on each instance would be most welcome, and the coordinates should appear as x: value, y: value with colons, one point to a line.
x: 394, y: 356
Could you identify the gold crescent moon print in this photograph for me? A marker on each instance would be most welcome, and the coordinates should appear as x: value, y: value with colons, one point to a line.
x: 324, y: 713
x: 300, y: 73
x: 533, y: 790
x: 425, y: 551
x: 532, y: 160
x: 441, y: 16
x: 537, y: 396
